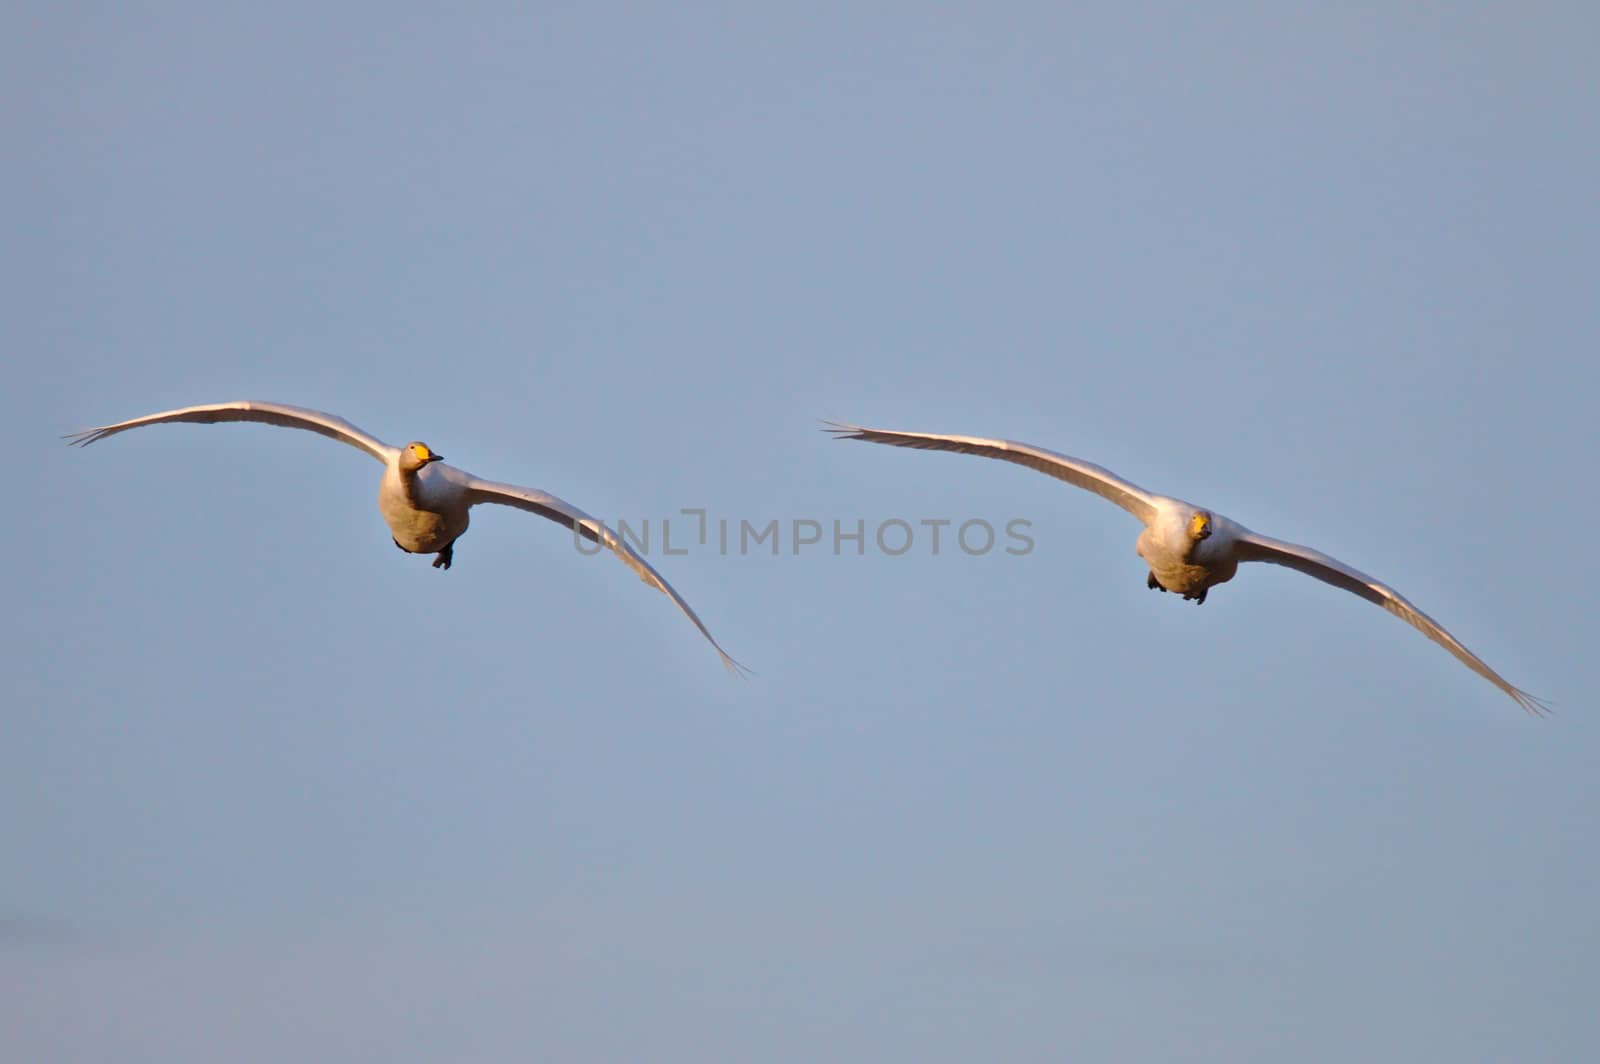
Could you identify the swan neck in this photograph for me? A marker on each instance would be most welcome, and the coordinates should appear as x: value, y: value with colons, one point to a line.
x: 408, y: 486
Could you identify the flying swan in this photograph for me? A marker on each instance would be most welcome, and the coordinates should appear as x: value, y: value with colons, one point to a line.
x: 424, y: 501
x: 1188, y: 548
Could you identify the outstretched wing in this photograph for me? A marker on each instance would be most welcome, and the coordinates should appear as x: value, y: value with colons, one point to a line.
x: 1074, y: 471
x: 546, y: 505
x: 292, y: 417
x: 1253, y: 547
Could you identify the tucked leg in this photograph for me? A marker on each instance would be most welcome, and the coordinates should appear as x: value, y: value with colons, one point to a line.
x: 1198, y: 599
x: 445, y: 556
x: 1153, y: 584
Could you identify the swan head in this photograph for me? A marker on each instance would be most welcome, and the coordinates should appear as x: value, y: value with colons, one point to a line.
x: 413, y: 456
x: 1199, y: 525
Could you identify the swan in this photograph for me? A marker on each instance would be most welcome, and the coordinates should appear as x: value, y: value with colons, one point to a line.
x: 424, y: 502
x: 1190, y: 549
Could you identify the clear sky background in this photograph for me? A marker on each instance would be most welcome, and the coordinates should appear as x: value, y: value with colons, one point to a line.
x: 274, y: 790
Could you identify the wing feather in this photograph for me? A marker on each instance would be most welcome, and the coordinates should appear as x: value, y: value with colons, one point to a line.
x: 1253, y: 547
x: 1074, y: 471
x: 549, y: 506
x: 293, y: 417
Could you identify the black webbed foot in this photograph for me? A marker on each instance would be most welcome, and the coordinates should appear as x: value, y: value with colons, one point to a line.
x: 446, y: 556
x: 1198, y: 599
x: 1153, y: 584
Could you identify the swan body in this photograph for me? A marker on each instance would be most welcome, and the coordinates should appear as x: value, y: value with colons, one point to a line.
x: 1184, y: 549
x: 426, y: 508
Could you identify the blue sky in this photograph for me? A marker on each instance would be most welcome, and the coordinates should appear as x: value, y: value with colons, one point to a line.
x: 277, y: 790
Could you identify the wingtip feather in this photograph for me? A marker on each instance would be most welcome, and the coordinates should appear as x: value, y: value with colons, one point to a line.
x: 843, y: 430
x: 1532, y: 705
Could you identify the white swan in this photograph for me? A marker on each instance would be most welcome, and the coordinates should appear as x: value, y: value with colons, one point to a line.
x: 424, y: 501
x: 1190, y: 549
